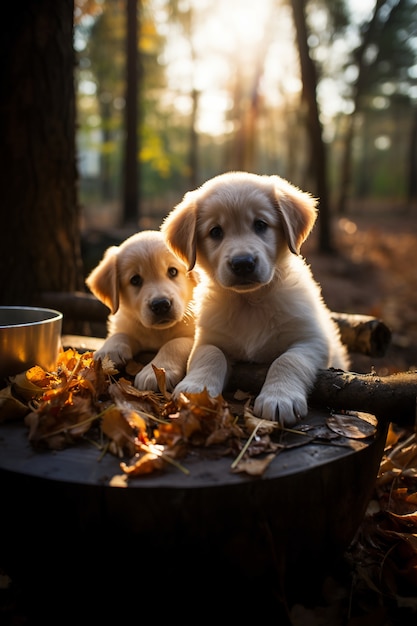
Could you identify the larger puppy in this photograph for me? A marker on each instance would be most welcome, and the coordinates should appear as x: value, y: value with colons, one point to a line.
x: 148, y: 291
x: 259, y: 301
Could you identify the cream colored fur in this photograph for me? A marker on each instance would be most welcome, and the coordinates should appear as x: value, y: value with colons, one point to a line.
x: 148, y: 291
x: 258, y: 300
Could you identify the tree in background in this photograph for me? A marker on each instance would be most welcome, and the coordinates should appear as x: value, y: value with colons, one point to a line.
x: 103, y: 64
x: 40, y: 233
x: 381, y: 60
x: 265, y: 127
x: 131, y: 179
x: 310, y: 75
x: 102, y: 114
x: 318, y: 156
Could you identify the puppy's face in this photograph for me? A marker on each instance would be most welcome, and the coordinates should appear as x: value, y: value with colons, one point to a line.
x: 145, y: 279
x: 238, y: 236
x: 238, y: 226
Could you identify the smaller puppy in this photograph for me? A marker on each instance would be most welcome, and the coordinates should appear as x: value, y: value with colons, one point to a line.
x: 259, y: 301
x: 149, y: 293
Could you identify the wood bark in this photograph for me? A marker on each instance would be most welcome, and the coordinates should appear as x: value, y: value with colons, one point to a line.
x: 318, y: 154
x: 363, y: 334
x: 391, y: 398
x: 39, y: 236
x: 131, y: 169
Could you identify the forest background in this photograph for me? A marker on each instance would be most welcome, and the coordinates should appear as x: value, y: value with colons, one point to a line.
x: 256, y: 87
x: 111, y: 110
x: 323, y: 93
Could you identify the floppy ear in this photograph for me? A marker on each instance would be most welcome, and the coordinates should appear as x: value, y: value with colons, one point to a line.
x: 179, y: 230
x: 103, y: 280
x: 298, y: 210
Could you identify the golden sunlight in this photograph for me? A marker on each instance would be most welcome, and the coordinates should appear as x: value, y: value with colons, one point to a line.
x: 239, y: 47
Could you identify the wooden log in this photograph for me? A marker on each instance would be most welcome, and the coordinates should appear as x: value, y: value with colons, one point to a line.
x: 391, y: 398
x: 76, y: 306
x: 362, y: 334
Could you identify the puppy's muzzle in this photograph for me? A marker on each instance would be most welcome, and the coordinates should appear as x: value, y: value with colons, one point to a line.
x: 160, y: 307
x: 243, y: 265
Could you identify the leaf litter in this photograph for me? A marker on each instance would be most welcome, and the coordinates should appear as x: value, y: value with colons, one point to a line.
x: 88, y: 400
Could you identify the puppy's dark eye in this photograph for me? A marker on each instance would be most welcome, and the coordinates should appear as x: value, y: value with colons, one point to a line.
x: 172, y: 272
x: 136, y: 280
x: 260, y: 226
x: 216, y: 232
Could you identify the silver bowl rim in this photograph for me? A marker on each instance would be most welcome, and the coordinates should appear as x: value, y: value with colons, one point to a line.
x: 55, y: 315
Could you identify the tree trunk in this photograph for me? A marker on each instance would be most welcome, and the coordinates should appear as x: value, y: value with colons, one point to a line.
x: 358, y: 89
x: 39, y: 236
x: 131, y: 170
x: 193, y: 160
x: 346, y: 166
x: 412, y: 161
x: 318, y: 156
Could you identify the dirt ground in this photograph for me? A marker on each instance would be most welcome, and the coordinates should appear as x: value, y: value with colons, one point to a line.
x: 373, y: 271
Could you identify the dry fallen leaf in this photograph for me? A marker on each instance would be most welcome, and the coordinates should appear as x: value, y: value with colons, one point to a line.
x: 11, y: 408
x: 253, y: 467
x: 352, y: 424
x: 115, y: 424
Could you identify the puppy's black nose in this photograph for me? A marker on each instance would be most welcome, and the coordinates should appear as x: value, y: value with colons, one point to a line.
x: 160, y: 306
x: 243, y: 265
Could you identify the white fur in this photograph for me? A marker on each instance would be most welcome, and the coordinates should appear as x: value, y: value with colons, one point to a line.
x: 273, y: 313
x: 130, y: 280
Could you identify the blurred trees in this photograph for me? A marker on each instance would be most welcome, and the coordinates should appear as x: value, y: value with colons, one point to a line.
x: 384, y: 54
x: 216, y: 93
x: 131, y: 182
x: 338, y: 137
x: 317, y: 148
x: 101, y: 48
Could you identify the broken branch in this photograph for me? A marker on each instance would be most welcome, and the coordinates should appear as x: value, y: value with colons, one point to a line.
x: 390, y: 397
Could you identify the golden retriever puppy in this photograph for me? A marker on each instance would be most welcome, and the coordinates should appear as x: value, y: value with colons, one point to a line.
x: 149, y: 292
x: 257, y: 301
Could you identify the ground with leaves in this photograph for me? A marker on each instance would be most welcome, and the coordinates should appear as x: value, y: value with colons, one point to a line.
x: 373, y: 272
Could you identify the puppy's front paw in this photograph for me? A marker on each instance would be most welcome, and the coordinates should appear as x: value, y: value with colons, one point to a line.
x: 283, y: 407
x: 173, y: 378
x: 145, y: 380
x: 191, y: 384
x: 119, y: 356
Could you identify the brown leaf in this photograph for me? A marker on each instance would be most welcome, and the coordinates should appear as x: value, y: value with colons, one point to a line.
x: 123, y: 391
x: 253, y: 467
x: 161, y: 381
x: 352, y: 424
x: 32, y: 383
x: 10, y: 407
x: 118, y: 429
x: 55, y: 424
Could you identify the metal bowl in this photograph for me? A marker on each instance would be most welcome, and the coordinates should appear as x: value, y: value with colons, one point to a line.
x: 28, y: 336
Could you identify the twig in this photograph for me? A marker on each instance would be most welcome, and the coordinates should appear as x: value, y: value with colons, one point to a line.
x: 247, y: 444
